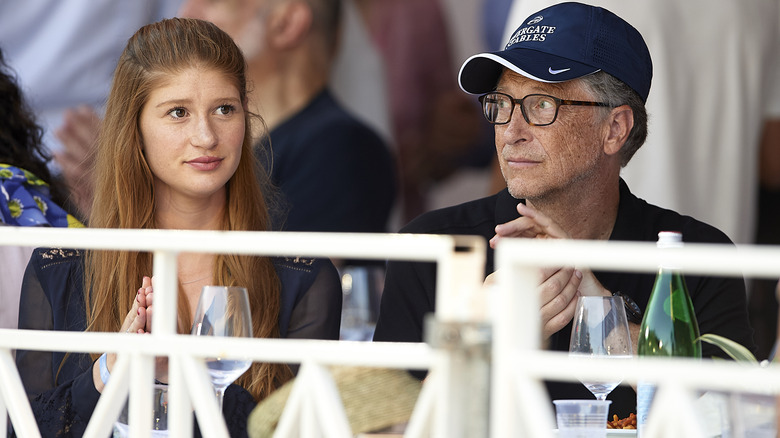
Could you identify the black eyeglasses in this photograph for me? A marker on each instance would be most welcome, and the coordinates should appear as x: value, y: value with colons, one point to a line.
x: 537, y: 109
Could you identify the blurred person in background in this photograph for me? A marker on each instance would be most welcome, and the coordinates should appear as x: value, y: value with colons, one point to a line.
x: 29, y: 195
x: 438, y: 131
x: 334, y: 172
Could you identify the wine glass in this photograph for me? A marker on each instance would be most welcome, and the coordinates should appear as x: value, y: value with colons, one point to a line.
x: 159, y: 415
x: 361, y: 287
x: 600, y: 329
x: 223, y: 311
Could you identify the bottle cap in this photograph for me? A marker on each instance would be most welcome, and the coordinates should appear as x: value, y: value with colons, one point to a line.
x: 670, y: 239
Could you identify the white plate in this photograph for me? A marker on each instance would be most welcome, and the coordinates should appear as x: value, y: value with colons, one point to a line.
x: 616, y: 433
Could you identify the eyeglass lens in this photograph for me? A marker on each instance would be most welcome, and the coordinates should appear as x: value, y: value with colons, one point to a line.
x: 538, y: 109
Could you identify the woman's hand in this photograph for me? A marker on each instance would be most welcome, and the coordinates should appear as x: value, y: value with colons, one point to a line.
x: 138, y: 317
x: 147, y: 290
x: 161, y: 363
x: 135, y: 322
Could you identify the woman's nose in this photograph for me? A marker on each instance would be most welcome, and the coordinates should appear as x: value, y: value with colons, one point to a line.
x: 203, y: 134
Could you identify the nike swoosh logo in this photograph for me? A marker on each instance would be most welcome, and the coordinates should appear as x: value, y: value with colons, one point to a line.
x: 555, y: 72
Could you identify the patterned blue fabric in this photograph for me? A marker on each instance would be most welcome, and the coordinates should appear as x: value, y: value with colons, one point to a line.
x: 24, y: 201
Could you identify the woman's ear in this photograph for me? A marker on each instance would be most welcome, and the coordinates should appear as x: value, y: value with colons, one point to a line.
x: 621, y: 120
x: 290, y: 24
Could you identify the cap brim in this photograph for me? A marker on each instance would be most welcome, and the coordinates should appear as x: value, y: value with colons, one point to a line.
x: 480, y: 73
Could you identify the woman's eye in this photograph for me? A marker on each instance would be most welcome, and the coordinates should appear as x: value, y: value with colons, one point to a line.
x: 177, y: 113
x: 226, y: 109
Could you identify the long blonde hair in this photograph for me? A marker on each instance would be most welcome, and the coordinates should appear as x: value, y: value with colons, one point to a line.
x: 124, y: 192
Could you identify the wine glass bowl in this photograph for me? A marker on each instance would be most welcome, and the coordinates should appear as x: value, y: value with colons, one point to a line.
x: 362, y: 290
x: 600, y: 329
x: 223, y: 311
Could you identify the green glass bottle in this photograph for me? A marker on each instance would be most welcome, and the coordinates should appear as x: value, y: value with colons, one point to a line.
x: 669, y: 326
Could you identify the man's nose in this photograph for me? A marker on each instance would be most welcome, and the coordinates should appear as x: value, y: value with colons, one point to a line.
x: 516, y: 130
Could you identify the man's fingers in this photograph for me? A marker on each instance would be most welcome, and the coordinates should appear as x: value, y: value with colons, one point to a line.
x: 558, y: 297
x: 559, y: 275
x: 546, y: 225
x: 520, y: 227
x: 561, y: 319
x: 86, y: 125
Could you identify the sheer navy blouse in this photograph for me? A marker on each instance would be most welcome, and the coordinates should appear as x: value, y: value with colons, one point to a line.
x: 61, y: 389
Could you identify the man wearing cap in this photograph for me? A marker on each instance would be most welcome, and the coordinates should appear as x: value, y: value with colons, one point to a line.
x: 567, y: 98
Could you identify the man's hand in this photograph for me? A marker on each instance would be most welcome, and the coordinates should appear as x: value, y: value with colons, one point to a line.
x: 531, y: 224
x: 557, y: 297
x: 559, y: 288
x: 534, y: 224
x: 78, y: 135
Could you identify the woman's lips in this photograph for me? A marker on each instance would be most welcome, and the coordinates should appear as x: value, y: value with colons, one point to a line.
x: 205, y: 163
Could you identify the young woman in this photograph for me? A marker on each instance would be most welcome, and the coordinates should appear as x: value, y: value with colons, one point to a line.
x: 174, y: 152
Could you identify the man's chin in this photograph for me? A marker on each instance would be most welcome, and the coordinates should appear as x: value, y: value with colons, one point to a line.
x: 519, y: 191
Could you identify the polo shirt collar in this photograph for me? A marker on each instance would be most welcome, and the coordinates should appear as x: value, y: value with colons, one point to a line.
x: 506, y: 207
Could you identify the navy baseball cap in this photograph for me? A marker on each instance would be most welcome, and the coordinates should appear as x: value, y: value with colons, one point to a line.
x: 564, y: 42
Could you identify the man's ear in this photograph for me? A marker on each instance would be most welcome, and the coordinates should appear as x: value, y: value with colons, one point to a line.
x: 290, y: 24
x: 620, y: 122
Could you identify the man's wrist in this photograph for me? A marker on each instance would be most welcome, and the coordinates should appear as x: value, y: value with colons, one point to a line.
x: 633, y: 311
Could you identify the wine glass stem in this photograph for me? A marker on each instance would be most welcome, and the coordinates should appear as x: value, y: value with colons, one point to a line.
x: 220, y: 395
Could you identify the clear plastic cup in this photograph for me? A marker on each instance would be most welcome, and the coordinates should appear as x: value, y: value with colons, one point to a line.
x: 582, y: 418
x: 159, y: 416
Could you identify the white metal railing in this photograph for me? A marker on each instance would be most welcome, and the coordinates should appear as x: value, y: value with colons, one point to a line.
x: 519, y: 365
x: 460, y: 270
x: 519, y: 404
